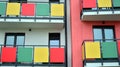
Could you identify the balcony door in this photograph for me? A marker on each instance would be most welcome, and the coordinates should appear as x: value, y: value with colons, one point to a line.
x: 54, y: 39
x: 104, y: 33
x: 13, y: 39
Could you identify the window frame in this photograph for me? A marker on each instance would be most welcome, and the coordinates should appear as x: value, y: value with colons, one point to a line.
x: 15, y: 39
x: 103, y: 32
x: 59, y: 38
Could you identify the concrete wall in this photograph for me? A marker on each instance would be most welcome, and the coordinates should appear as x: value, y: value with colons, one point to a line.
x: 34, y: 37
x: 81, y: 31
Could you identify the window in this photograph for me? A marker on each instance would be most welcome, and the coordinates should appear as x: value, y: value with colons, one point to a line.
x: 54, y: 1
x: 18, y: 1
x: 104, y: 33
x: 14, y: 39
x: 54, y: 39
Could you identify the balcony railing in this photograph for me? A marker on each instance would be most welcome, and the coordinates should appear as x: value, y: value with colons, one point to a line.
x: 100, y: 10
x: 100, y: 51
x: 32, y: 55
x: 35, y: 11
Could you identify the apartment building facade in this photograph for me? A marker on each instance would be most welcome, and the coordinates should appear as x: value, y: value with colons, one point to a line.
x: 95, y: 28
x: 33, y: 33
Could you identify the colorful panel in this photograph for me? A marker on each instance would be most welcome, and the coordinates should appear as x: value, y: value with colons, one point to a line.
x: 83, y: 52
x: 116, y: 3
x: 92, y: 49
x: 41, y: 55
x: 2, y: 8
x: 13, y: 9
x: 42, y: 9
x: 89, y: 3
x: 57, y: 55
x: 109, y: 50
x: 8, y: 54
x: 24, y: 55
x: 104, y: 3
x: 57, y: 9
x: 28, y: 9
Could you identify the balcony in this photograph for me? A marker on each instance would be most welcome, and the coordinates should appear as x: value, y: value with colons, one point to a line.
x: 32, y: 14
x: 32, y: 55
x: 100, y: 10
x: 97, y: 53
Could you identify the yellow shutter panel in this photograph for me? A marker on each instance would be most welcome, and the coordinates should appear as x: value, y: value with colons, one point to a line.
x: 41, y: 55
x: 13, y: 9
x: 104, y: 3
x: 57, y: 9
x: 92, y: 50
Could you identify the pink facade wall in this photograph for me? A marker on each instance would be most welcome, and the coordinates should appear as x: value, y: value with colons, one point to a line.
x: 83, y: 30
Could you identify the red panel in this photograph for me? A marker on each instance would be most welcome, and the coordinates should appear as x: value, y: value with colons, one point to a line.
x: 57, y: 55
x: 8, y: 54
x: 89, y: 3
x: 28, y: 9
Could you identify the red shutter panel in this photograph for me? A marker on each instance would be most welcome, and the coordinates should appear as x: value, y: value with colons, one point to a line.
x: 89, y: 3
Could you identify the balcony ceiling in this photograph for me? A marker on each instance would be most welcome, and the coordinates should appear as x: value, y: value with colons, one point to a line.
x: 20, y: 25
x: 101, y: 16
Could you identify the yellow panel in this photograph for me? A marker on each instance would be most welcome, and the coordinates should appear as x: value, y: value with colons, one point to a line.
x: 83, y: 52
x: 92, y: 49
x: 41, y: 55
x: 104, y: 3
x: 57, y: 9
x: 13, y: 9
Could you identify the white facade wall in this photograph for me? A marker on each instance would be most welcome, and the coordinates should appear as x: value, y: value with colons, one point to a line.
x: 35, y: 36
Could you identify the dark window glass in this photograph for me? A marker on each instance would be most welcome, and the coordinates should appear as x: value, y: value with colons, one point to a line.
x: 54, y: 1
x: 54, y: 39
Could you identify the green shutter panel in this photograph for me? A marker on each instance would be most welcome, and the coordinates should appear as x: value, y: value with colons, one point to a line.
x: 109, y: 50
x: 42, y: 9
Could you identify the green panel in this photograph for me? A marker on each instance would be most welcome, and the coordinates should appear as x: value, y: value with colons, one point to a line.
x: 42, y: 9
x: 109, y: 50
x: 24, y: 55
x: 116, y: 3
x: 2, y: 8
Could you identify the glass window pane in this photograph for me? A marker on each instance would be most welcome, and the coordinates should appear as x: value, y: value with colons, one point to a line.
x: 20, y: 40
x: 10, y: 40
x: 97, y: 34
x: 109, y: 34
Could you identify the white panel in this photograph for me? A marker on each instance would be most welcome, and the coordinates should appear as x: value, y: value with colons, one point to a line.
x: 105, y: 12
x: 12, y: 20
x: 111, y: 64
x: 89, y: 13
x: 93, y: 64
x: 116, y: 12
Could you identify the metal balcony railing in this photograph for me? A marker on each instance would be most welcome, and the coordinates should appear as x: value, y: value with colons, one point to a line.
x: 101, y: 51
x: 32, y: 10
x: 97, y: 6
x: 32, y: 55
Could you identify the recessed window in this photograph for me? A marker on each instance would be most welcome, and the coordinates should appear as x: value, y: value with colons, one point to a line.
x: 54, y: 39
x: 54, y: 1
x: 13, y: 39
x: 104, y: 33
